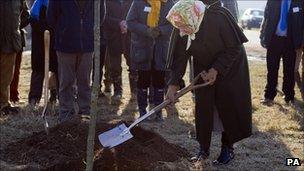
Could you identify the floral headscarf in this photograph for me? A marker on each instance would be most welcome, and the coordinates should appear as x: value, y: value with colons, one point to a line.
x: 187, y: 16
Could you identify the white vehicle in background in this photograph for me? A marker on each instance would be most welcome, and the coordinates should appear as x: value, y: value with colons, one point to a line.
x: 252, y: 18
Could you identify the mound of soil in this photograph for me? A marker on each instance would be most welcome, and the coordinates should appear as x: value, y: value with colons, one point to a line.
x: 65, y: 149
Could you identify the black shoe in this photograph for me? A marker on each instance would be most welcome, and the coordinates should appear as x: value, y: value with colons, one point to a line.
x: 107, y: 89
x: 53, y: 96
x: 267, y: 102
x: 101, y: 94
x: 289, y: 100
x: 67, y: 117
x: 225, y: 157
x: 6, y: 110
x: 117, y: 96
x: 202, y: 155
x: 159, y: 117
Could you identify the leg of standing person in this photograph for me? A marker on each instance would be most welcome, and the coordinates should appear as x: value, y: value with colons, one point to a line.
x: 158, y: 82
x: 274, y: 53
x: 107, y: 80
x: 202, y: 126
x: 14, y: 94
x: 132, y: 72
x: 36, y: 87
x: 102, y: 64
x: 143, y: 83
x: 7, y: 63
x: 289, y: 58
x: 67, y: 77
x: 115, y: 67
x: 227, y: 153
x: 83, y: 70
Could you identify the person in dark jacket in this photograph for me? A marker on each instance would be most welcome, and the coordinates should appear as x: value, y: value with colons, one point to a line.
x: 10, y: 44
x: 73, y: 24
x: 219, y: 55
x: 150, y: 34
x: 118, y: 43
x: 280, y: 35
x: 39, y: 25
x: 232, y: 6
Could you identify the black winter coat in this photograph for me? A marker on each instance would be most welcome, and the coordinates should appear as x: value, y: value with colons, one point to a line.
x: 218, y: 45
x: 14, y: 16
x: 116, y: 12
x: 145, y: 50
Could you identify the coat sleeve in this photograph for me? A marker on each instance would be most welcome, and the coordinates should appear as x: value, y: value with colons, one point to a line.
x: 132, y: 21
x: 112, y: 22
x: 25, y: 15
x: 166, y: 28
x: 53, y: 12
x: 264, y: 23
x: 179, y: 61
x: 226, y: 59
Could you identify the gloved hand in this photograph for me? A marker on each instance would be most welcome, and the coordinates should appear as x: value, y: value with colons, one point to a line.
x: 153, y: 32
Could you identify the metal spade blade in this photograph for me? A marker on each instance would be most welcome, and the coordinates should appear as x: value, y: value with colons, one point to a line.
x: 115, y: 136
x: 121, y: 133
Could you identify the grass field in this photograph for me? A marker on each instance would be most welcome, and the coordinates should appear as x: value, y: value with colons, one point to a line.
x: 277, y: 130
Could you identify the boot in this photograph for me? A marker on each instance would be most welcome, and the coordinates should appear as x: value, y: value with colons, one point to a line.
x: 158, y: 98
x: 53, y: 97
x: 151, y: 97
x: 133, y: 85
x: 117, y: 88
x: 107, y: 88
x: 225, y: 157
x: 142, y: 97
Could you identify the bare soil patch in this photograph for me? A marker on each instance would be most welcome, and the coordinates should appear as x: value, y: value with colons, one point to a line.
x: 65, y: 149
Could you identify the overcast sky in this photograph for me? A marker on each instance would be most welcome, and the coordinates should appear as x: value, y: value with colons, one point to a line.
x: 244, y: 4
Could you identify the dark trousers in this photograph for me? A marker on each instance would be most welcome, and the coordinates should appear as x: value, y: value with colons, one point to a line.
x: 36, y: 86
x: 14, y: 94
x: 102, y: 61
x: 118, y: 46
x: 280, y: 47
x: 151, y: 77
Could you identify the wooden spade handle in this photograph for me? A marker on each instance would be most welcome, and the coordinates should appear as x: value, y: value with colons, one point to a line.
x: 179, y: 94
x: 46, y: 66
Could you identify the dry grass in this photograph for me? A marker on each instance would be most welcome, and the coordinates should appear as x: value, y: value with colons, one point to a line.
x: 277, y: 132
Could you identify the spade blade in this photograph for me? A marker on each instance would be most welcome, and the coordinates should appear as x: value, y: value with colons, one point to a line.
x: 115, y: 136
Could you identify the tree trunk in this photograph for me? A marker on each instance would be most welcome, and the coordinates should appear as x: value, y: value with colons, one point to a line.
x: 92, y: 126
